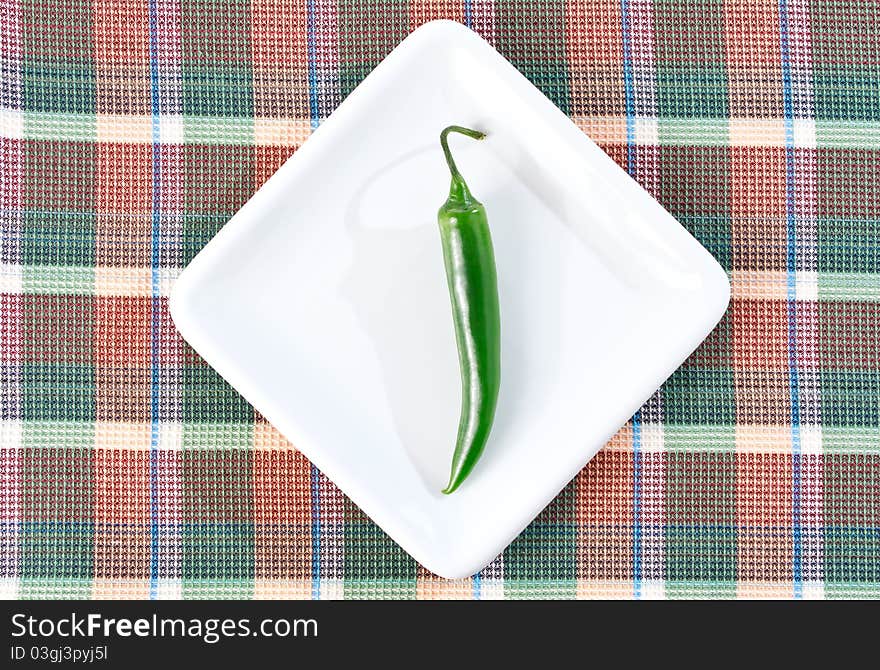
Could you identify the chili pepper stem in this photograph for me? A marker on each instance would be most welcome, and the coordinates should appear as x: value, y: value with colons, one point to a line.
x: 458, y: 190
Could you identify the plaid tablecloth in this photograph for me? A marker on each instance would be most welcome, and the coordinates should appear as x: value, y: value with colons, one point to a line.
x: 133, y: 130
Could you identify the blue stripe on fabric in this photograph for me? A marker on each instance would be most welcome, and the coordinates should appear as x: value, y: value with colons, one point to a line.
x: 313, y: 64
x: 636, y: 421
x: 791, y: 294
x: 478, y: 586
x: 629, y: 89
x: 315, y: 481
x: 637, y: 504
x: 154, y: 304
x: 469, y: 13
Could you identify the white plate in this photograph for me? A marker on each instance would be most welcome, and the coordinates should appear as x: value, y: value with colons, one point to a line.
x: 324, y: 300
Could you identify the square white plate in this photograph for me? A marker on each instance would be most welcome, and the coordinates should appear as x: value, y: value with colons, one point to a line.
x: 324, y: 300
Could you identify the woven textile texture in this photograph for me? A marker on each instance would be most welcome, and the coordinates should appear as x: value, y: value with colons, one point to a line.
x: 133, y: 130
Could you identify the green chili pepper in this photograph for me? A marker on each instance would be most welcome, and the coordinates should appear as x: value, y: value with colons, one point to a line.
x: 473, y: 288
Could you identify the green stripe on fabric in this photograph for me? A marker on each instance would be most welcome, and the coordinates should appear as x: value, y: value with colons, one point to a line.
x: 225, y: 131
x: 217, y: 500
x: 222, y: 129
x: 62, y: 126
x: 58, y: 56
x: 687, y: 590
x: 549, y: 542
x: 708, y: 437
x: 700, y: 495
x: 707, y: 132
x: 217, y: 588
x: 857, y: 287
x: 208, y: 398
x: 848, y: 134
x: 51, y: 434
x: 852, y: 553
x: 223, y: 90
x: 379, y: 586
x: 848, y: 591
x: 539, y: 52
x: 850, y: 397
x: 50, y: 88
x: 694, y: 396
x: 50, y: 279
x: 226, y: 435
x: 366, y: 36
x: 851, y: 523
x: 375, y: 565
x: 846, y: 91
x: 217, y: 61
x: 59, y: 237
x: 690, y: 59
x: 850, y: 439
x: 57, y: 392
x: 539, y: 589
x: 845, y: 77
x: 55, y: 588
x: 56, y: 529
x: 713, y: 232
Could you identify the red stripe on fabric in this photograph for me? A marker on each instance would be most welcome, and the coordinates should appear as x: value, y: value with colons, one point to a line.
x: 59, y: 175
x: 603, y: 513
x: 758, y: 208
x: 282, y: 509
x: 849, y: 335
x: 760, y: 334
x: 268, y: 160
x: 122, y: 32
x: 124, y: 324
x: 11, y: 329
x: 58, y: 329
x: 122, y: 514
x: 422, y: 11
x: 764, y: 517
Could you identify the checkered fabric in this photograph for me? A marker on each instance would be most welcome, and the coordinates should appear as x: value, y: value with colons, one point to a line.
x: 133, y: 130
